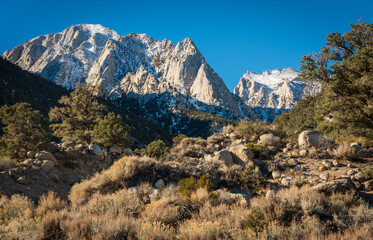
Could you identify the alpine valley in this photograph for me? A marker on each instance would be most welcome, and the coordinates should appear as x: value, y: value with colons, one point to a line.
x: 170, y: 78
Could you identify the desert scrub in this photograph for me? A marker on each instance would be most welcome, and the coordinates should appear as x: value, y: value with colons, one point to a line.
x: 124, y: 172
x: 15, y: 208
x: 258, y: 150
x: 156, y: 230
x: 48, y: 202
x: 188, y: 185
x: 194, y: 229
x: 249, y: 180
x: 172, y: 212
x: 367, y: 173
x: 346, y: 152
x: 7, y: 162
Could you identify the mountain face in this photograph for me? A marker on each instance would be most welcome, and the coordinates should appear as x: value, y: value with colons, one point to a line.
x: 274, y: 91
x: 131, y: 65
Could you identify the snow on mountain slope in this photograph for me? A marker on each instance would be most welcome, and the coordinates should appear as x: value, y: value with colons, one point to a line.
x: 120, y: 65
x: 274, y: 89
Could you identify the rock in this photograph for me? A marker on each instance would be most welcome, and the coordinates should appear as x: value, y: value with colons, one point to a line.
x: 285, y: 150
x: 208, y: 157
x: 96, y: 150
x: 47, y: 164
x: 359, y: 186
x: 43, y: 155
x: 356, y: 146
x: 127, y: 151
x: 233, y: 136
x: 241, y: 154
x: 224, y: 156
x: 350, y: 165
x: 322, y: 168
x: 115, y: 149
x: 350, y: 172
x: 293, y: 162
x: 339, y: 185
x: 324, y: 176
x: 358, y: 177
x: 54, y: 177
x: 242, y: 198
x: 270, y: 194
x: 27, y: 162
x: 133, y: 190
x: 68, y: 144
x: 303, y: 153
x: 269, y: 140
x: 30, y: 154
x: 309, y: 138
x: 336, y: 163
x: 327, y: 164
x: 160, y: 184
x: 286, y: 181
x: 78, y: 147
x: 276, y: 174
x: 368, y: 185
x: 344, y: 177
x: 23, y: 180
x: 154, y: 194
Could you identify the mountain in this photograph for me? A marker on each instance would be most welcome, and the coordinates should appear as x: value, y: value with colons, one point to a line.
x: 274, y: 91
x: 134, y: 65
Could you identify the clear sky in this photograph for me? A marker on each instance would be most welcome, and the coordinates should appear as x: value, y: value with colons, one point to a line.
x: 234, y: 36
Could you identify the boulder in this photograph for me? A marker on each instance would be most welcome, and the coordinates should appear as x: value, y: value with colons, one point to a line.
x: 160, y: 184
x: 68, y: 144
x: 27, y: 162
x: 358, y: 177
x: 356, y: 146
x: 368, y: 185
x: 30, y: 154
x: 47, y: 164
x: 23, y: 180
x: 286, y: 181
x: 115, y: 149
x: 336, y: 163
x: 269, y: 140
x: 324, y: 176
x: 303, y: 153
x: 44, y: 155
x: 241, y: 154
x: 339, y: 185
x: 351, y: 172
x: 327, y: 164
x: 127, y: 151
x: 224, y: 156
x: 309, y: 138
x: 276, y: 174
x: 96, y: 150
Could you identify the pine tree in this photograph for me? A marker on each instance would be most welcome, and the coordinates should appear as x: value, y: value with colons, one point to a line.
x: 77, y: 118
x: 345, y: 69
x: 111, y: 130
x: 24, y: 128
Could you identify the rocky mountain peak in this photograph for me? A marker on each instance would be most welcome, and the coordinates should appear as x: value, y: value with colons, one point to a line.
x: 123, y: 65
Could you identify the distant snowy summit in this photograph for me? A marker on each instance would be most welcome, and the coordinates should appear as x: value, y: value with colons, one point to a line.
x: 274, y: 89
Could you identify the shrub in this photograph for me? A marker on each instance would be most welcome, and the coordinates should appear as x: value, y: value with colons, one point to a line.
x: 176, y: 140
x: 252, y: 130
x: 14, y: 208
x: 194, y: 229
x: 111, y: 130
x: 24, y: 128
x: 156, y: 230
x: 188, y: 185
x: 7, y: 162
x: 367, y: 173
x: 257, y: 149
x: 345, y: 151
x: 50, y: 202
x: 156, y: 149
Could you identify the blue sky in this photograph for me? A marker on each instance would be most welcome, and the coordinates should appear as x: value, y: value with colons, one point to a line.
x: 234, y: 36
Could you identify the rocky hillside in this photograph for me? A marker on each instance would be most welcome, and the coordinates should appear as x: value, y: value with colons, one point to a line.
x: 274, y: 91
x: 134, y: 65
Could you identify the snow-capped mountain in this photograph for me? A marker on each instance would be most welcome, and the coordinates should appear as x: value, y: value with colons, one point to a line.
x: 134, y: 64
x: 274, y: 89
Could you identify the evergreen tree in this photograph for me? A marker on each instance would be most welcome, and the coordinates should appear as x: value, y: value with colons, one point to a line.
x: 24, y: 128
x: 111, y: 130
x: 345, y: 69
x: 77, y: 118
